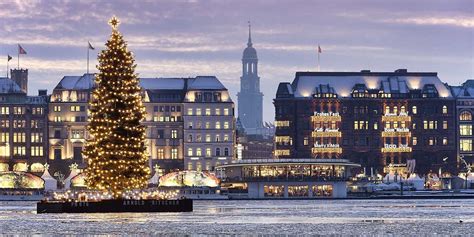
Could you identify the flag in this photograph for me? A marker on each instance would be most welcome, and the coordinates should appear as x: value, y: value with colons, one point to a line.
x: 9, y: 58
x: 21, y: 50
x: 90, y: 45
x: 319, y: 49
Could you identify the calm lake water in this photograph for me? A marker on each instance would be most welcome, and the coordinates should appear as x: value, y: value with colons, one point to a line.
x: 282, y: 217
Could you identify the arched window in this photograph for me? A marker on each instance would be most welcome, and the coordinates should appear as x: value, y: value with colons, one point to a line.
x: 402, y: 109
x: 190, y: 138
x: 445, y: 109
x: 387, y: 109
x: 226, y: 151
x: 218, y: 151
x: 465, y: 116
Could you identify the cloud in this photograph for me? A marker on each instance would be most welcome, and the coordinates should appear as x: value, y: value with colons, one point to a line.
x: 467, y: 22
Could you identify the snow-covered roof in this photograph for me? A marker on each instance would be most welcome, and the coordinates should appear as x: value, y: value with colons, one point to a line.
x: 466, y: 90
x: 9, y: 86
x: 162, y: 83
x: 343, y: 83
x: 205, y: 83
x: 84, y: 82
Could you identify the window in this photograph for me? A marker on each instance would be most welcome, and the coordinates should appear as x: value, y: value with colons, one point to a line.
x: 208, y: 152
x: 4, y: 137
x: 36, y: 151
x: 376, y: 126
x: 445, y: 124
x: 77, y: 134
x: 226, y: 151
x: 414, y: 110
x: 57, y: 119
x: 305, y: 141
x: 465, y: 129
x: 19, y: 150
x: 208, y: 138
x: 160, y: 133
x: 218, y: 138
x: 190, y: 125
x: 160, y: 153
x: 218, y: 111
x: 5, y: 110
x: 198, y: 138
x: 226, y: 125
x: 174, y: 153
x: 208, y: 125
x: 36, y: 137
x: 226, y: 111
x: 190, y: 151
x: 218, y: 125
x: 218, y: 151
x: 190, y: 111
x: 57, y: 108
x: 18, y: 110
x: 445, y: 141
x: 198, y: 152
x: 57, y: 134
x: 431, y: 141
x: 445, y: 109
x: 19, y: 137
x: 198, y: 111
x: 226, y: 137
x: 414, y: 141
x: 190, y: 138
x: 36, y: 124
x: 37, y: 110
x: 465, y: 144
x: 19, y: 123
x: 174, y: 133
x: 465, y: 116
x: 208, y: 111
x: 75, y: 108
x: 5, y: 123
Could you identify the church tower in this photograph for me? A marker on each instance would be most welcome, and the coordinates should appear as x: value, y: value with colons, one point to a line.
x: 250, y: 99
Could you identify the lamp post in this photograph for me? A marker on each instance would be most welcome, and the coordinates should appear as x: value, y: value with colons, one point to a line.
x: 468, y: 169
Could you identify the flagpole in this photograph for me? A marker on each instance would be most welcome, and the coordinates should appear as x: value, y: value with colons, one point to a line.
x: 18, y: 57
x: 88, y: 59
x: 319, y: 62
x: 7, y: 65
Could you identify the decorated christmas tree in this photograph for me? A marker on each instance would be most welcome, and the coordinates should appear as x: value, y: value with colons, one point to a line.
x: 115, y: 151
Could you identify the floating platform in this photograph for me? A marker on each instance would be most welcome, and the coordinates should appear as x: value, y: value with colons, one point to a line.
x: 108, y: 206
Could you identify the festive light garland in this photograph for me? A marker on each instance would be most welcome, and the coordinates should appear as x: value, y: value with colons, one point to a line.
x: 116, y: 152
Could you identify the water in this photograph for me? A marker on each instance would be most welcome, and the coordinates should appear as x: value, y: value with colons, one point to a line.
x: 269, y: 217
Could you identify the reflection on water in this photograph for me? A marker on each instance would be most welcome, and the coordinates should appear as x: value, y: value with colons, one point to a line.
x: 284, y: 217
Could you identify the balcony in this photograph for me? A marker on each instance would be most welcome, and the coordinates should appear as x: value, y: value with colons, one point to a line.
x: 402, y: 117
x: 319, y: 132
x: 392, y: 148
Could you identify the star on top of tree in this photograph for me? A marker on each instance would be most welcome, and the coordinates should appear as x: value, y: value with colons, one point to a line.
x: 114, y: 22
x: 74, y: 166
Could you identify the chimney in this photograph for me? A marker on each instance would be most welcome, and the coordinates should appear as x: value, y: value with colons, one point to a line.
x: 20, y: 77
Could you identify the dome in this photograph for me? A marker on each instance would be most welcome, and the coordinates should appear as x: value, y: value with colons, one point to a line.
x: 250, y: 52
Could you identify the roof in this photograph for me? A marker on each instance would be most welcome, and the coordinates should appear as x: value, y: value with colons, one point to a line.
x: 466, y: 90
x: 7, y: 85
x: 83, y: 82
x: 343, y: 83
x: 249, y: 53
x: 205, y: 83
x: 86, y: 82
x: 162, y: 83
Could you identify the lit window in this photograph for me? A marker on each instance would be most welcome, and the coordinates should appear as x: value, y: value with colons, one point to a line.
x: 445, y: 141
x: 174, y: 153
x: 218, y: 111
x: 190, y: 151
x: 174, y: 133
x: 57, y: 108
x: 190, y: 111
x: 218, y: 125
x: 414, y: 141
x: 208, y: 125
x: 198, y: 111
x: 465, y: 144
x: 465, y: 116
x: 208, y: 111
x: 305, y: 141
x: 226, y: 111
x: 226, y: 125
x: 208, y: 138
x: 226, y: 137
x: 198, y: 152
x: 376, y: 126
x: 445, y: 109
x: 160, y: 154
x: 445, y: 124
x: 5, y: 110
x: 36, y: 151
x: 208, y: 152
x: 431, y: 141
x: 465, y: 130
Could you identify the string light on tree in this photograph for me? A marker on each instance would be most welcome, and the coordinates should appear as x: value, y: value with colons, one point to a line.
x: 116, y: 152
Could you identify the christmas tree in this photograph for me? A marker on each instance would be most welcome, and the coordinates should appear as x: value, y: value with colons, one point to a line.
x: 115, y: 151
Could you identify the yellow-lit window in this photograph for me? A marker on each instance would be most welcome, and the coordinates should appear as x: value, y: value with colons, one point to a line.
x: 57, y: 108
x: 226, y: 137
x: 4, y: 137
x: 208, y: 152
x: 198, y: 152
x: 445, y: 124
x: 5, y: 110
x: 218, y: 125
x: 208, y: 111
x: 465, y: 144
x: 160, y: 153
x: 226, y: 125
x: 226, y: 111
x: 218, y: 111
x: 190, y: 111
x: 36, y: 151
x: 445, y: 141
x: 414, y: 110
x: 174, y: 153
x: 445, y: 109
x: 198, y: 111
x: 208, y: 138
x: 57, y: 119
x: 465, y: 130
x: 414, y: 141
x: 174, y: 133
x: 465, y: 116
x: 190, y: 151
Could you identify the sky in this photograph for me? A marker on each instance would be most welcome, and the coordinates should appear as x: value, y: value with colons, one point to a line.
x: 194, y: 37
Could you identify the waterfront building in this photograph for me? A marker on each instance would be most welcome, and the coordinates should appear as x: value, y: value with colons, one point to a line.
x: 464, y: 121
x: 209, y: 124
x: 250, y: 99
x: 180, y: 113
x: 23, y: 125
x: 389, y: 122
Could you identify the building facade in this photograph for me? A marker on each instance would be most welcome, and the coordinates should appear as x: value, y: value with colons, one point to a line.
x: 464, y: 117
x: 389, y: 122
x: 23, y: 125
x: 250, y: 99
x: 166, y: 101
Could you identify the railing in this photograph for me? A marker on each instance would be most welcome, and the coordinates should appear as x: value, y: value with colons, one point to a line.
x: 284, y: 178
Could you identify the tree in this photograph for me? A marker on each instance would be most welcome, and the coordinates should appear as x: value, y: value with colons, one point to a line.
x: 115, y: 150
